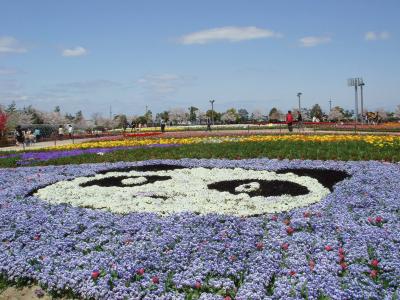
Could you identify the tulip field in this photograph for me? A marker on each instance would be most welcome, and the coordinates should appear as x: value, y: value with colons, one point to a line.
x: 221, y: 217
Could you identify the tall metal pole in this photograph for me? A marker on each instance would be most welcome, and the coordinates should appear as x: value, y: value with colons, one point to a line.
x: 330, y: 104
x: 362, y: 102
x: 212, y: 111
x: 298, y: 95
x: 356, y: 104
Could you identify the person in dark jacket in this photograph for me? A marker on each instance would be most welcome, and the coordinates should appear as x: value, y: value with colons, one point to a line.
x: 19, y: 135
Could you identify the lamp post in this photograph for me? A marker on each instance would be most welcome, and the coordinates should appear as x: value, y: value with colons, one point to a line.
x: 299, y: 95
x: 212, y: 111
x: 361, y: 84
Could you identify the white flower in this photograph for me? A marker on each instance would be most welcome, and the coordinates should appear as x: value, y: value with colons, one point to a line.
x: 187, y: 190
x: 248, y: 187
x: 100, y: 153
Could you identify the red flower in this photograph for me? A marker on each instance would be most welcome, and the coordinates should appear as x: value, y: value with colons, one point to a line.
x: 37, y: 237
x: 197, y: 285
x: 343, y: 265
x: 290, y: 230
x: 285, y: 246
x: 227, y: 298
x: 370, y: 220
x: 155, y: 280
x: 292, y: 273
x: 373, y: 274
x: 378, y: 219
x: 306, y: 214
x: 375, y: 263
x: 140, y: 272
x: 328, y: 248
x: 95, y: 274
x: 260, y: 245
x: 341, y: 257
x: 341, y: 251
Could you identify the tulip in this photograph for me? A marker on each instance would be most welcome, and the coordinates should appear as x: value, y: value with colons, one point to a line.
x: 373, y: 274
x: 95, y: 274
x: 260, y: 245
x: 374, y: 263
x: 285, y: 246
x: 140, y: 272
x: 328, y: 248
x: 155, y: 280
x: 290, y: 230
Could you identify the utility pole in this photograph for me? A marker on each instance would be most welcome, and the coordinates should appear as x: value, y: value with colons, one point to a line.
x: 362, y: 101
x: 110, y: 112
x: 330, y: 104
x: 212, y: 111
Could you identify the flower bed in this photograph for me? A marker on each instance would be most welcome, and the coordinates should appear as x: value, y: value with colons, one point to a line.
x: 344, y: 246
x: 376, y: 140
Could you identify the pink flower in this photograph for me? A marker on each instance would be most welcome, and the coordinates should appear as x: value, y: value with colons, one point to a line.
x: 290, y: 230
x: 375, y: 263
x: 273, y: 218
x: 328, y: 248
x: 285, y: 246
x: 140, y: 272
x: 311, y: 264
x: 373, y: 274
x: 155, y: 280
x: 95, y: 274
x: 260, y: 245
x: 341, y: 251
x: 378, y: 219
x: 197, y: 285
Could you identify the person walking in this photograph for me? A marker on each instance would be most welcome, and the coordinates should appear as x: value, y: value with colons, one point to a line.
x: 162, y: 126
x: 60, y: 132
x: 19, y: 136
x: 299, y: 120
x: 70, y: 130
x: 289, y: 120
x: 208, y: 124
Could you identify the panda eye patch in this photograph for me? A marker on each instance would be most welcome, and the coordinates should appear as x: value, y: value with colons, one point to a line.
x: 256, y: 187
x: 124, y: 181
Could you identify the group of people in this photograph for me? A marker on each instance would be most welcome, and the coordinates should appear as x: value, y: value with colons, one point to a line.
x: 290, y: 120
x: 61, y: 131
x: 26, y: 137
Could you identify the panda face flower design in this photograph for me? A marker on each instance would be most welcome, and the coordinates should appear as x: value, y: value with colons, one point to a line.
x: 174, y: 189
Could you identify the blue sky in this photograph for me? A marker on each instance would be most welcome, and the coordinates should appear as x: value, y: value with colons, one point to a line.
x: 88, y: 55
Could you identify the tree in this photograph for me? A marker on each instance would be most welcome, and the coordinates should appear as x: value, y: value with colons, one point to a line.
x: 257, y: 115
x: 121, y: 121
x: 213, y: 115
x: 164, y: 116
x: 79, y: 120
x: 148, y: 116
x: 275, y: 114
x: 230, y: 116
x: 192, y: 114
x: 336, y: 114
x: 316, y: 111
x: 397, y: 112
x: 3, y: 122
x: 11, y: 108
x: 243, y: 115
x: 178, y: 115
x: 57, y: 109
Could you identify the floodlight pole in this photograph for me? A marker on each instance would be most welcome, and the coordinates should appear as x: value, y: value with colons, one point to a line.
x: 299, y: 95
x: 356, y: 104
x: 212, y: 111
x: 362, y: 101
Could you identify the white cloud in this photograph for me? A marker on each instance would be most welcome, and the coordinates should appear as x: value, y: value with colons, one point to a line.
x: 77, y: 51
x: 9, y: 44
x: 8, y: 71
x: 229, y: 33
x: 312, y: 41
x: 375, y: 36
x: 163, y: 84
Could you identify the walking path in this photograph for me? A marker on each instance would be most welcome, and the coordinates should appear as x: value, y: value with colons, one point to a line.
x: 45, y: 144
